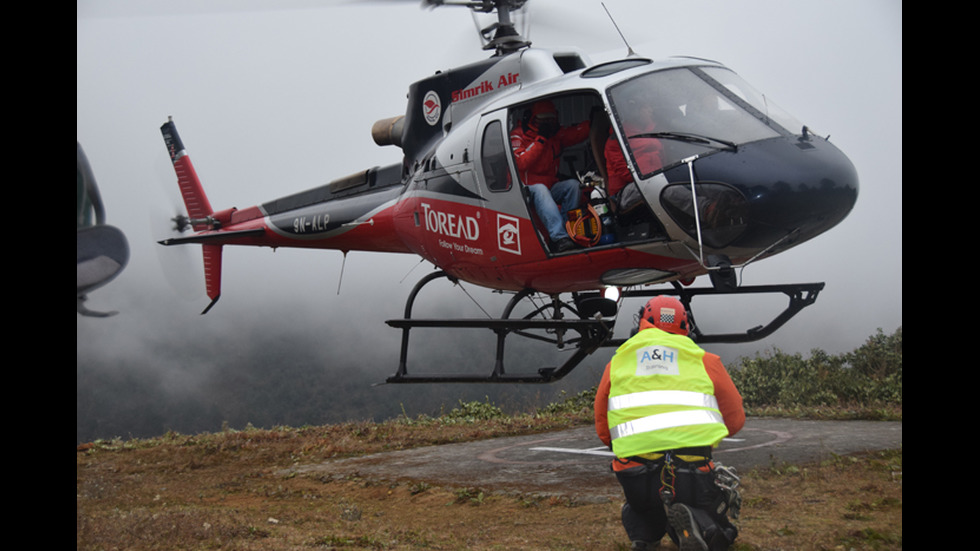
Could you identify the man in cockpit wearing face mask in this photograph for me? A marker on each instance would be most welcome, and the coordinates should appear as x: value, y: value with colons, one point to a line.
x: 537, y: 148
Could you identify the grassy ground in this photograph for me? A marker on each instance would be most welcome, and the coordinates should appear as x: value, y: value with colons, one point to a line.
x: 223, y: 491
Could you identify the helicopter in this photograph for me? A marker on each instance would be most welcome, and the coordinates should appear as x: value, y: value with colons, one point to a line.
x: 738, y: 180
x: 101, y: 250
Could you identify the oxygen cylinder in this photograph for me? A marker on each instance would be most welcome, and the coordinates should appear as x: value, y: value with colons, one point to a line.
x: 598, y: 201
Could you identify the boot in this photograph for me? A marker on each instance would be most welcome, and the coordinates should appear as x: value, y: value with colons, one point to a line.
x: 688, y: 532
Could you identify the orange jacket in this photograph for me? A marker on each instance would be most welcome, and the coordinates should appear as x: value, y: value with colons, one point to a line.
x: 729, y: 402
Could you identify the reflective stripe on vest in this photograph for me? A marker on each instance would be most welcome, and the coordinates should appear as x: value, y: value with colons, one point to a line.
x: 665, y: 421
x: 663, y: 398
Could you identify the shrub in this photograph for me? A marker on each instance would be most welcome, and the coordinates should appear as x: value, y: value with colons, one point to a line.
x: 474, y: 411
x: 870, y: 375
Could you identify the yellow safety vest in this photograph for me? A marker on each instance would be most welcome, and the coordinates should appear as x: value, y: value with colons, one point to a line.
x: 661, y: 398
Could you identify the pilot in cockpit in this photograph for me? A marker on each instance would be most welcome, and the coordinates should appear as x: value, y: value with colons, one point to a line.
x: 638, y: 123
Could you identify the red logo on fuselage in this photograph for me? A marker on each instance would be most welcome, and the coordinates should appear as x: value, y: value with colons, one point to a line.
x: 508, y: 233
x: 431, y: 108
x: 484, y: 87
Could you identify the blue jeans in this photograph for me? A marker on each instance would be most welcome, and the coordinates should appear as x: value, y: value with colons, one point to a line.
x: 552, y: 205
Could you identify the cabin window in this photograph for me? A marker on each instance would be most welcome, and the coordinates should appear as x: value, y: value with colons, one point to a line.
x: 494, y: 158
x: 575, y: 111
x: 732, y: 86
x: 679, y: 113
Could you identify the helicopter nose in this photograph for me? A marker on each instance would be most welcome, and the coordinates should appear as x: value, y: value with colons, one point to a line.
x: 781, y: 191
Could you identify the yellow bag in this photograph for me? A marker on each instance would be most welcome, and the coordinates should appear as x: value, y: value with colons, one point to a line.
x: 584, y: 226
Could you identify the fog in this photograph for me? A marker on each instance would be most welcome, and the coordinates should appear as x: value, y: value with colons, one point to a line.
x: 270, y: 101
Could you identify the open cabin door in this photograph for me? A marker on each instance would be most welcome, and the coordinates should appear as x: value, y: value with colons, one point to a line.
x: 508, y: 217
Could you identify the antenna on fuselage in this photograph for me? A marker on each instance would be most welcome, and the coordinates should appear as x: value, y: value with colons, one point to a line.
x: 629, y: 48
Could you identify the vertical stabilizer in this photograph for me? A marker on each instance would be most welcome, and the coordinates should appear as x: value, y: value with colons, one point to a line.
x: 199, y: 209
x: 195, y: 200
x: 212, y: 273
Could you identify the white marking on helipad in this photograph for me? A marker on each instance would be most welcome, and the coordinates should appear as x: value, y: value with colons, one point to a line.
x: 601, y: 450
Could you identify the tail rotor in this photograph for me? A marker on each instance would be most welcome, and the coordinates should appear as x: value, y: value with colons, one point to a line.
x: 180, y: 266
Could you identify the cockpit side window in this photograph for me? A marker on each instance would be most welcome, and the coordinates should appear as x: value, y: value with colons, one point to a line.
x: 494, y: 158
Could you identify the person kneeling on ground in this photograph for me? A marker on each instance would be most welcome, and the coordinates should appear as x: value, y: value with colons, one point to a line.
x: 663, y: 403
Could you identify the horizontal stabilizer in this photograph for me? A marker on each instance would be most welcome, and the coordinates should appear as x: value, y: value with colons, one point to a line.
x: 213, y: 238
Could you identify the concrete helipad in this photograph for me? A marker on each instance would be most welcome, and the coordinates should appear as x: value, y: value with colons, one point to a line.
x: 575, y: 463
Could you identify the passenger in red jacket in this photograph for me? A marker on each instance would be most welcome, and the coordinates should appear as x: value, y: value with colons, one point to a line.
x: 647, y: 151
x: 537, y: 147
x: 663, y: 403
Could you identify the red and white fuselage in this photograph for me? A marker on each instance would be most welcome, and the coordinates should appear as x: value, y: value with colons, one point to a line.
x: 457, y: 201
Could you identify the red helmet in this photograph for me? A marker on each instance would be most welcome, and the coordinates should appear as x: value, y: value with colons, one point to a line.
x: 543, y: 108
x: 666, y: 313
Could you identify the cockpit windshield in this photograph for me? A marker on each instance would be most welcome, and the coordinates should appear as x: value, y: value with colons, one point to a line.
x: 668, y: 116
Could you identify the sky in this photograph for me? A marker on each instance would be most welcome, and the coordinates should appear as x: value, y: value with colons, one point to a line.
x: 272, y: 98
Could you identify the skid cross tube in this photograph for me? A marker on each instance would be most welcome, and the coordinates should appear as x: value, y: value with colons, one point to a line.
x: 800, y: 296
x: 592, y: 334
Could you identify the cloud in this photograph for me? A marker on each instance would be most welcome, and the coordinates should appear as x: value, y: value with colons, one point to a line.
x: 276, y: 101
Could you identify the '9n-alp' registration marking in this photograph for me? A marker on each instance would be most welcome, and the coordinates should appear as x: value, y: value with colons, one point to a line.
x: 311, y: 224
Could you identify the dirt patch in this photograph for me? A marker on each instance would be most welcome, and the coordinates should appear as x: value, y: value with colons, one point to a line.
x: 256, y: 490
x: 573, y: 463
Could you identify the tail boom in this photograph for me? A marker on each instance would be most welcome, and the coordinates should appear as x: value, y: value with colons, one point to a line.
x: 351, y: 213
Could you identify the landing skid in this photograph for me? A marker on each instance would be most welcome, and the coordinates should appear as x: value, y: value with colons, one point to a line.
x: 800, y: 296
x: 590, y: 327
x: 586, y: 335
